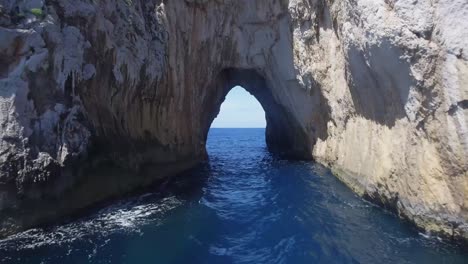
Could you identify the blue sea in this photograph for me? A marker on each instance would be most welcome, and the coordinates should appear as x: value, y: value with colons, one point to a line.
x: 243, y: 206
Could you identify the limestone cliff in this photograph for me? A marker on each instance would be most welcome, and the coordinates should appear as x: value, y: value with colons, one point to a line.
x: 100, y: 97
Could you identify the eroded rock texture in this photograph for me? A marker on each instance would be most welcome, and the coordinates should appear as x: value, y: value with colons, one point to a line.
x: 98, y: 98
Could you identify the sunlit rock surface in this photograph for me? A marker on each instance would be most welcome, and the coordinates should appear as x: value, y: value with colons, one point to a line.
x: 99, y: 98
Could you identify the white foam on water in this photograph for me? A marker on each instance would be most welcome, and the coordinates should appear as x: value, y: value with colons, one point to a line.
x: 127, y: 217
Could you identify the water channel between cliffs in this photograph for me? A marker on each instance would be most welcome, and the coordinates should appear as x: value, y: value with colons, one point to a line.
x: 243, y: 206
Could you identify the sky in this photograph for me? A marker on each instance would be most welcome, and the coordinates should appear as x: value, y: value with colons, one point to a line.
x: 240, y: 110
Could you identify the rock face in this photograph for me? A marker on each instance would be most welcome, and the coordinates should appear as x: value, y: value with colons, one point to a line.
x: 98, y: 98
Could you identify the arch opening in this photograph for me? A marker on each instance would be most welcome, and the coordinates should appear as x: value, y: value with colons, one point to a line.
x: 240, y: 110
x: 283, y: 134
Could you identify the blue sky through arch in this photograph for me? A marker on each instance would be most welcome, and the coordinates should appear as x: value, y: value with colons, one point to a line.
x: 240, y: 110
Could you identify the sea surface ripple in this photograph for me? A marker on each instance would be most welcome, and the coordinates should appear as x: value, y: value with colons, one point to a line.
x: 243, y: 206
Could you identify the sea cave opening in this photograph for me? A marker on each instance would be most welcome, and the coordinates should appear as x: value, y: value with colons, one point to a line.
x: 240, y: 109
x: 241, y: 122
x: 244, y: 98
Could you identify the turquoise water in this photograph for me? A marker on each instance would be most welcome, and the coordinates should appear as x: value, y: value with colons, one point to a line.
x: 243, y: 206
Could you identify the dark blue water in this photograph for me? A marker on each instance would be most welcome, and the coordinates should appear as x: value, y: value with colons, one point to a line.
x: 244, y: 206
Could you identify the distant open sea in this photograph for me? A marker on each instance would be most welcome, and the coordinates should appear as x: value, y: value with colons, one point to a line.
x: 243, y: 206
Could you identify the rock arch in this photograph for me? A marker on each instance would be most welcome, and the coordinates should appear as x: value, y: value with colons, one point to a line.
x: 119, y: 104
x: 284, y: 133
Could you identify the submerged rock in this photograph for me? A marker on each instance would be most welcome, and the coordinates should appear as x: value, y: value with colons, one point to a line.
x: 99, y: 98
